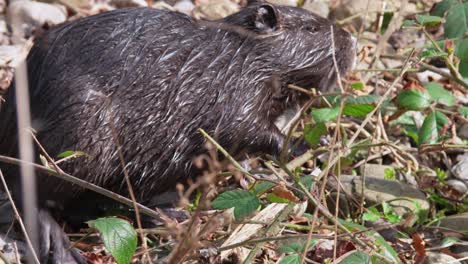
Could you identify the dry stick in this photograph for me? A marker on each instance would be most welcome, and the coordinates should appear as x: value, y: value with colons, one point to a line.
x: 337, y: 204
x: 284, y: 213
x: 379, y: 104
x: 226, y: 154
x: 394, y: 25
x: 316, y: 203
x: 18, y: 217
x: 315, y: 236
x: 453, y: 70
x: 130, y: 189
x: 335, y: 138
x: 302, y: 187
x: 82, y: 183
x: 26, y: 151
x: 431, y: 68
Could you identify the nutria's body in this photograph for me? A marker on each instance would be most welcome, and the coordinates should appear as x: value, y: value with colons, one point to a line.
x: 158, y: 76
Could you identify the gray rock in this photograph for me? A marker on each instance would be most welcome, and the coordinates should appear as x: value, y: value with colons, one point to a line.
x: 460, y: 170
x: 380, y: 172
x: 376, y: 170
x: 32, y: 15
x: 440, y: 258
x: 458, y: 186
x: 10, y: 55
x: 379, y: 190
x: 456, y: 222
x: 463, y: 131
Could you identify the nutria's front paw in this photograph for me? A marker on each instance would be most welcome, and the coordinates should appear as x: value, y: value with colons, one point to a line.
x: 298, y: 147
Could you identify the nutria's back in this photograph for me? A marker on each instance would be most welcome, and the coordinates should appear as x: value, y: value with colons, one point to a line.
x: 157, y: 76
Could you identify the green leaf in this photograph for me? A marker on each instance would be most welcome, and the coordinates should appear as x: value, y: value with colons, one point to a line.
x: 357, y: 86
x: 307, y: 181
x: 69, y: 153
x: 428, y: 133
x: 370, y: 216
x: 313, y: 135
x: 464, y: 111
x: 461, y: 51
x: 439, y: 94
x: 363, y: 99
x: 413, y: 100
x: 386, y: 250
x: 389, y: 174
x: 261, y: 187
x: 244, y: 202
x: 408, y: 23
x: 276, y: 199
x: 323, y: 115
x: 449, y: 241
x: 442, y: 120
x: 291, y: 259
x: 457, y: 21
x: 393, y: 218
x: 387, y: 17
x: 357, y: 110
x: 297, y: 247
x: 443, y: 7
x: 430, y: 53
x: 291, y: 248
x: 429, y: 21
x: 119, y: 237
x: 357, y: 257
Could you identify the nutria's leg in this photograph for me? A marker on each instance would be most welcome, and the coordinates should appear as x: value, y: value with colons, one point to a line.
x: 271, y: 141
x: 265, y: 141
x: 53, y: 238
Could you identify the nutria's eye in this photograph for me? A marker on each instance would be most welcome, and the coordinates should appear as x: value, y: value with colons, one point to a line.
x: 311, y: 28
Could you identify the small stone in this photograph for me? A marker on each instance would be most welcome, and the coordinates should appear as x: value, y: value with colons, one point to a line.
x: 185, y: 6
x: 460, y: 170
x: 438, y: 258
x: 458, y: 186
x: 463, y: 131
x: 318, y: 7
x: 455, y: 222
x: 379, y: 190
x: 33, y: 15
x: 284, y: 2
x: 128, y: 3
x: 429, y: 76
x: 215, y: 9
x: 10, y: 55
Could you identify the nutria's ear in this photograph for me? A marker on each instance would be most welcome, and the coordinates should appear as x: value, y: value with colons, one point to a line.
x: 266, y: 18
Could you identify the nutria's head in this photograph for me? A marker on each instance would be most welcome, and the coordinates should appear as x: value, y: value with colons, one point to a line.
x: 299, y: 42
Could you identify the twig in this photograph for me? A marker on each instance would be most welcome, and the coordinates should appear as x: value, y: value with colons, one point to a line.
x: 130, y: 188
x: 270, y: 230
x: 431, y: 68
x: 18, y: 217
x: 227, y: 155
x: 82, y: 183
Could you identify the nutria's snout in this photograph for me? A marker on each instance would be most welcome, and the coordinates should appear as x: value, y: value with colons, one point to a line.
x: 345, y: 49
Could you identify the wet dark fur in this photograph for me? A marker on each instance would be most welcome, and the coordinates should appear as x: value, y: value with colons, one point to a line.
x: 158, y: 76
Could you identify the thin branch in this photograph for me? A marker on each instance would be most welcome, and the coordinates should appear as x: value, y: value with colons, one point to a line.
x: 18, y: 217
x: 82, y: 183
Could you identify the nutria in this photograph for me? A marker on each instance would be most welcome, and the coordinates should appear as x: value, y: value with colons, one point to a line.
x: 158, y: 76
